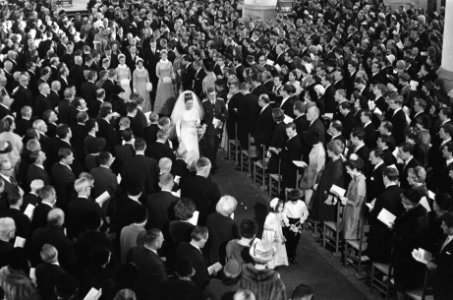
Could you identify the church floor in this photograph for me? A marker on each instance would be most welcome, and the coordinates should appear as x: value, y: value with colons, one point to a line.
x: 316, y: 266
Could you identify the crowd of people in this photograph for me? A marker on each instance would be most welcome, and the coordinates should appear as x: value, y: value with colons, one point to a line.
x: 103, y: 191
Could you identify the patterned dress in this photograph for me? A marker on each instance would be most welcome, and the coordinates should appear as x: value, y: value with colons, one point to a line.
x: 165, y: 88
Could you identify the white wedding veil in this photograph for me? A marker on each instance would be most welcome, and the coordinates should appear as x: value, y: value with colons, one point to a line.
x: 180, y: 106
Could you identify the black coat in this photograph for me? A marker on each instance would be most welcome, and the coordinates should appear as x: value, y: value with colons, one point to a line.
x: 63, y: 179
x: 409, y: 230
x: 370, y: 136
x: 399, y: 123
x: 127, y: 210
x: 203, y: 192
x: 47, y: 276
x: 40, y: 216
x: 35, y: 172
x: 291, y: 151
x: 22, y: 97
x: 42, y: 104
x: 159, y: 150
x: 443, y: 275
x: 375, y: 185
x: 23, y: 225
x: 222, y: 229
x: 264, y: 127
x: 77, y: 215
x: 55, y: 236
x: 151, y: 273
x: 380, y: 236
x: 177, y: 289
x: 187, y: 251
x: 288, y: 107
x: 122, y: 153
x: 160, y: 206
x: 141, y: 168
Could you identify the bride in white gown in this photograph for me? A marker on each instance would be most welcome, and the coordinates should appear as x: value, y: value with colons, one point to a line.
x: 187, y: 115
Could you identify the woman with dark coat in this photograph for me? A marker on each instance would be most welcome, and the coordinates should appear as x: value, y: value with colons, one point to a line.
x: 333, y: 174
x: 409, y: 231
x: 222, y: 229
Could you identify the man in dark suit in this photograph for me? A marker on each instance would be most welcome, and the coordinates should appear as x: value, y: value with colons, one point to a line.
x: 380, y: 236
x: 89, y: 91
x: 264, y: 123
x: 36, y: 170
x: 329, y: 93
x: 48, y: 199
x: 160, y: 148
x: 79, y: 209
x: 62, y: 176
x: 151, y: 58
x: 123, y: 151
x: 48, y: 272
x: 383, y: 143
x: 7, y: 235
x: 198, y: 78
x: 7, y: 177
x: 15, y: 200
x: 54, y: 235
x: 357, y: 140
x: 141, y: 167
x: 315, y: 124
x: 22, y: 95
x: 287, y: 104
x: 5, y: 106
x: 247, y: 114
x: 25, y: 120
x: 187, y: 73
x: 152, y: 275
x: 292, y: 151
x: 193, y: 252
x: 104, y: 178
x: 160, y: 204
x: 406, y: 154
x: 109, y: 85
x: 375, y: 185
x: 42, y: 102
x: 442, y: 264
x: 370, y: 131
x: 398, y: 120
x: 202, y: 191
x: 106, y: 129
x: 215, y: 114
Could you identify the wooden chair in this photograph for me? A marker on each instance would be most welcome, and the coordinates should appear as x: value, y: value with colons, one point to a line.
x: 425, y: 292
x: 353, y: 249
x: 246, y: 156
x: 331, y: 231
x: 233, y: 146
x: 259, y: 168
x: 275, y: 183
x: 381, y: 278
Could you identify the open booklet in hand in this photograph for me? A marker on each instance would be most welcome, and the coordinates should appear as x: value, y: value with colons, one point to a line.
x: 102, y: 198
x: 93, y: 294
x: 337, y: 191
x: 386, y: 217
x: 422, y: 256
x: 299, y: 163
x: 214, y: 268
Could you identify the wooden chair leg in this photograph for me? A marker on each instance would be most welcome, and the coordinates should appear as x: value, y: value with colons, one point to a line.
x: 324, y: 235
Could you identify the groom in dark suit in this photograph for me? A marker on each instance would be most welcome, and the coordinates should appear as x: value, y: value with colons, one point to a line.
x: 215, y: 116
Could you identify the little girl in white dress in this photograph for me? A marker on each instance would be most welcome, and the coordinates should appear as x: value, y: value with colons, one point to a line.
x: 274, y: 234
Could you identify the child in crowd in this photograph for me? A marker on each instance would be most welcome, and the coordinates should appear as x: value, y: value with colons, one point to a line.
x: 273, y: 233
x: 295, y: 213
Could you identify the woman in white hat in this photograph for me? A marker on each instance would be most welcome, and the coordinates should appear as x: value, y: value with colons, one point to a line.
x: 273, y: 233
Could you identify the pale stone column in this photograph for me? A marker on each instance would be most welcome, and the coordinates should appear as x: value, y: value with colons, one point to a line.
x: 263, y: 9
x: 445, y: 71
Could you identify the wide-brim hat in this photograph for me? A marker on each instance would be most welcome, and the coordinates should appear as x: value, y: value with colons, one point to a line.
x: 262, y: 251
x: 295, y: 194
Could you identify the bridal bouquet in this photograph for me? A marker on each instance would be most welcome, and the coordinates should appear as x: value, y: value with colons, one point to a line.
x: 201, y: 129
